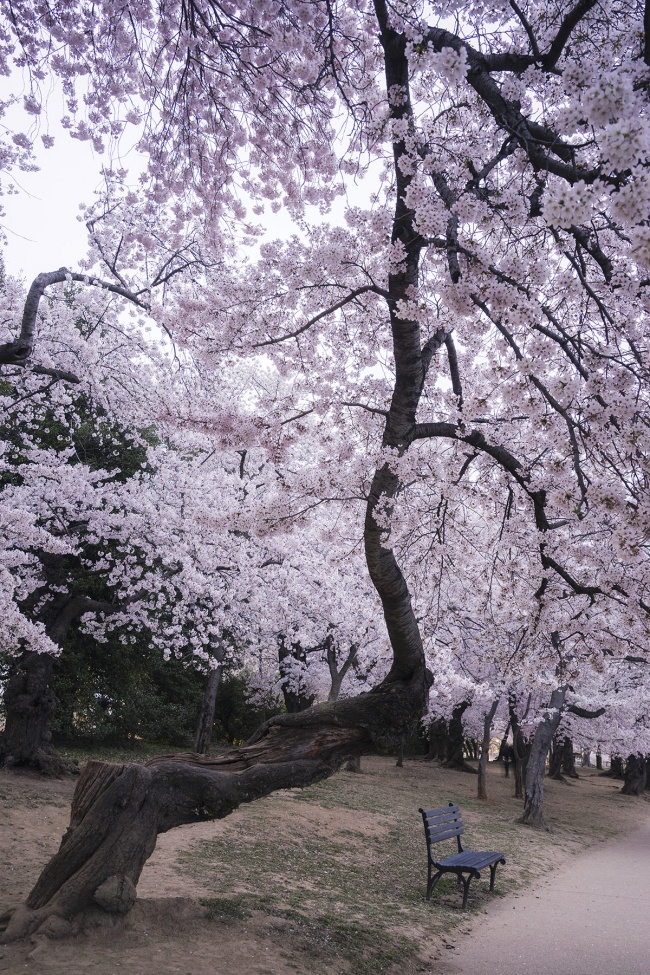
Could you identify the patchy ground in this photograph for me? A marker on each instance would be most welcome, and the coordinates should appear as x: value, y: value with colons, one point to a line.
x: 328, y: 880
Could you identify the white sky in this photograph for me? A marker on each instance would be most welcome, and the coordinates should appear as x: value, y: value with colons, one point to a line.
x: 41, y: 223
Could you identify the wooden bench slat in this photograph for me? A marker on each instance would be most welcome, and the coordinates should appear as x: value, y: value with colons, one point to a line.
x: 453, y: 812
x: 445, y: 834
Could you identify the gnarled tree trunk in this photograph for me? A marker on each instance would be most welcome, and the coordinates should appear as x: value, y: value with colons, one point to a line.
x: 118, y: 810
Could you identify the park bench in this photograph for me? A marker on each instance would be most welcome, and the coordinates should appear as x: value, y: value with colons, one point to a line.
x: 445, y: 824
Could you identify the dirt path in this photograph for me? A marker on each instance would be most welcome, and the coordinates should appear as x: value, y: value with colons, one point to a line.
x: 326, y: 881
x: 587, y: 918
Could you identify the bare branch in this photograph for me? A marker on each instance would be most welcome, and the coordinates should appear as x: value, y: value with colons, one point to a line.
x: 323, y: 314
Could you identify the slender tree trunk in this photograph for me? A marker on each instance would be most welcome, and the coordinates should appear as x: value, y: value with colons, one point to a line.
x: 337, y: 675
x: 485, y: 747
x: 534, y: 797
x: 206, y: 718
x: 599, y: 760
x: 555, y: 760
x: 521, y: 747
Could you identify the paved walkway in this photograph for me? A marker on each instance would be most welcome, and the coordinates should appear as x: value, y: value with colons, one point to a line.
x: 591, y: 917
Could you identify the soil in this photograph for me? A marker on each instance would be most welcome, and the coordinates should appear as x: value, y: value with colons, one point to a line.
x: 357, y: 818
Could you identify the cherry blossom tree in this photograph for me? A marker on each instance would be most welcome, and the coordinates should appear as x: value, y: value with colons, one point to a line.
x: 478, y: 311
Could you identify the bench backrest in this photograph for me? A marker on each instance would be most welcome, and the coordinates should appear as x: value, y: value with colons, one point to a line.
x: 443, y: 824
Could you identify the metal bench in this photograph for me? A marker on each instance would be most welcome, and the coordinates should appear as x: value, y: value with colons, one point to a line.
x: 445, y: 824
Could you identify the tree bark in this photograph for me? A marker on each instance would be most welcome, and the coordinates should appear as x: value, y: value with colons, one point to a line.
x: 485, y: 747
x: 534, y: 795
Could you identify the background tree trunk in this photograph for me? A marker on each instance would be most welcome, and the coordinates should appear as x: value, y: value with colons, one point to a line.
x: 206, y: 718
x: 485, y: 747
x: 616, y: 767
x: 568, y: 758
x: 534, y: 794
x: 30, y: 704
x: 337, y: 676
x: 437, y: 739
x: 455, y: 757
x: 295, y: 699
x: 636, y: 776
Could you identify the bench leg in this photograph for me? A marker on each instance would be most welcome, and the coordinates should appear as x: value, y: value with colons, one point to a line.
x: 466, y: 884
x: 493, y: 870
x: 432, y: 882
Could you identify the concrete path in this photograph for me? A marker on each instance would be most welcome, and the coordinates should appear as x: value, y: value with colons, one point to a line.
x: 591, y: 917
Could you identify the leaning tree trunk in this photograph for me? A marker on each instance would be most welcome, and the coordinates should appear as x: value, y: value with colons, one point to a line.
x: 485, y: 748
x: 534, y: 796
x: 119, y: 810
